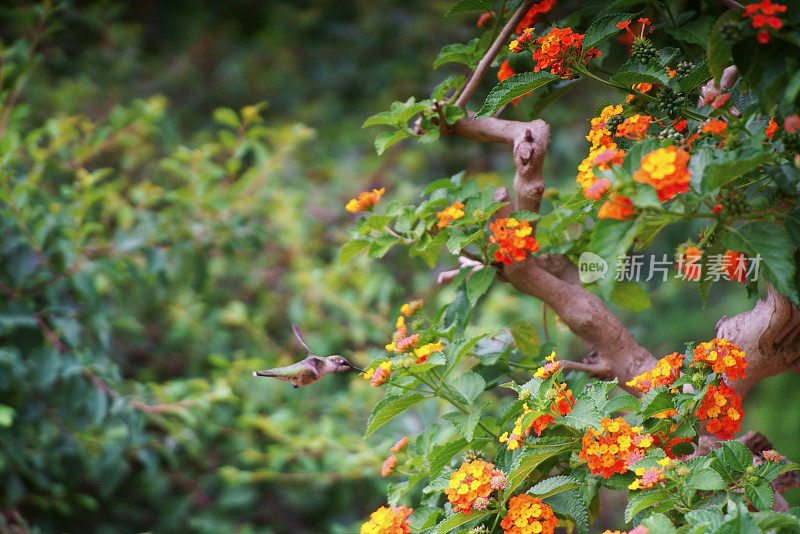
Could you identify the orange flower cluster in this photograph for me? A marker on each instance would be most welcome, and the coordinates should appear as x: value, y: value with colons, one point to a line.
x: 387, y: 520
x: 735, y: 264
x: 514, y: 238
x: 410, y: 308
x: 472, y: 481
x: 559, y: 48
x: 518, y: 45
x: 365, y: 200
x: 603, y: 154
x: 450, y: 214
x: 562, y: 405
x: 533, y: 13
x: 401, y: 341
x: 548, y: 370
x: 772, y: 127
x: 379, y: 375
x: 689, y: 263
x: 643, y: 87
x: 613, y: 449
x: 723, y: 409
x: 528, y: 515
x: 665, y: 169
x: 618, y: 207
x: 505, y: 71
x: 649, y: 477
x: 715, y: 126
x: 634, y: 127
x: 426, y: 350
x: 723, y: 357
x: 665, y: 372
x: 389, y: 465
x: 400, y: 446
x: 764, y: 14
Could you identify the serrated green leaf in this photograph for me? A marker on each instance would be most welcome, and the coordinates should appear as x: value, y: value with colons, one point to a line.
x: 639, y: 500
x: 761, y: 496
x: 553, y: 485
x: 659, y: 524
x: 721, y: 172
x: 525, y: 463
x: 636, y: 73
x: 478, y: 283
x: 656, y: 402
x: 459, y: 53
x: 696, y: 31
x: 705, y: 479
x: 513, y: 87
x: 469, y: 385
x: 453, y: 113
x: 736, y: 456
x: 626, y: 401
x: 526, y: 338
x: 630, y: 295
x: 389, y: 408
x: 771, y: 242
x: 469, y: 6
x: 441, y: 455
x: 698, y: 75
x: 458, y: 519
x: 466, y: 423
x: 774, y: 520
x: 571, y: 503
x: 386, y: 139
x: 525, y: 216
x: 380, y: 246
x: 584, y: 414
x: 719, y: 48
x: 604, y: 28
x: 384, y: 117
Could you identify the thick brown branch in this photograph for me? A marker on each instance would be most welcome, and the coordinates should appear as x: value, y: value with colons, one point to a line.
x: 486, y: 62
x: 769, y: 335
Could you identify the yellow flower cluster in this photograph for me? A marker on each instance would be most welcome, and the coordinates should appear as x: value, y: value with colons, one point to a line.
x: 379, y: 375
x: 665, y: 169
x: 450, y: 214
x: 426, y: 350
x: 387, y: 520
x: 472, y: 481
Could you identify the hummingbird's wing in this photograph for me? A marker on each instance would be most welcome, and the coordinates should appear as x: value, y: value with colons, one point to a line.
x: 296, y: 331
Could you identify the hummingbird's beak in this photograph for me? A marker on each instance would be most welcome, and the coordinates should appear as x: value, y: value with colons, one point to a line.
x: 353, y: 367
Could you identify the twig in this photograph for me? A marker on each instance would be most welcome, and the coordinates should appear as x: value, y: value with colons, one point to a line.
x: 732, y: 4
x: 483, y: 66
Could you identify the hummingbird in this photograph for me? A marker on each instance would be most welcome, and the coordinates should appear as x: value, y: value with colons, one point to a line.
x: 310, y: 369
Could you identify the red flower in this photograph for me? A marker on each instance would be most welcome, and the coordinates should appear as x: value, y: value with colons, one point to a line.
x: 533, y: 13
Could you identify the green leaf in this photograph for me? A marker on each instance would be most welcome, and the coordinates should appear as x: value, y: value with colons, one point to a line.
x: 468, y: 6
x: 525, y: 463
x: 630, y: 295
x: 604, y: 28
x: 774, y: 520
x: 380, y: 246
x: 659, y: 524
x: 719, y: 49
x: 772, y: 243
x: 466, y: 423
x: 639, y: 500
x: 761, y: 496
x: 725, y: 170
x: 453, y: 113
x: 584, y: 414
x: 656, y: 402
x: 705, y: 479
x: 469, y: 385
x: 698, y: 75
x: 571, y: 503
x: 634, y: 73
x: 611, y: 239
x: 227, y: 116
x: 458, y: 519
x: 696, y: 31
x: 478, y: 283
x: 457, y: 349
x: 735, y: 455
x: 389, y: 408
x: 468, y: 54
x: 386, y: 139
x: 526, y: 338
x: 513, y: 87
x: 6, y: 416
x: 626, y: 401
x: 441, y: 455
x: 553, y: 485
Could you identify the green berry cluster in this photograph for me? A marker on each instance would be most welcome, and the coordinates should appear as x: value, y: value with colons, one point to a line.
x: 471, y: 455
x: 670, y: 102
x: 683, y: 69
x: 732, y: 201
x: 670, y: 133
x: 643, y: 51
x: 613, y: 122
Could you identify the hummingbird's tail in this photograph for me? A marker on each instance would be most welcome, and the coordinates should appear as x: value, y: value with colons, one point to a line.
x: 264, y: 373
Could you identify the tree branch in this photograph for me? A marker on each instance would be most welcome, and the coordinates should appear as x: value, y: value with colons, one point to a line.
x: 480, y: 71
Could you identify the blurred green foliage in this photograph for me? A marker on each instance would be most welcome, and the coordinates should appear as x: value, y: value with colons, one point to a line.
x: 153, y: 252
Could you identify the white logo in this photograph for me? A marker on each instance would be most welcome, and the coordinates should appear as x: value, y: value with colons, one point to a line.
x: 591, y: 267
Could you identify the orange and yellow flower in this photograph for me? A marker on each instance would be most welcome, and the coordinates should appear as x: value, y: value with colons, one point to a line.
x: 410, y: 308
x: 528, y: 515
x: 562, y: 405
x: 665, y: 169
x: 514, y: 238
x: 722, y: 408
x: 772, y: 127
x: 387, y: 520
x: 715, y: 126
x: 723, y: 356
x: 379, y: 375
x: 400, y: 446
x: 401, y: 341
x: 617, y: 207
x: 689, y: 263
x: 365, y: 200
x: 450, y: 214
x: 472, y: 481
x: 613, y: 449
x: 634, y: 127
x: 558, y: 49
x: 505, y: 71
x: 665, y: 372
x: 426, y: 350
x: 643, y: 87
x: 649, y: 477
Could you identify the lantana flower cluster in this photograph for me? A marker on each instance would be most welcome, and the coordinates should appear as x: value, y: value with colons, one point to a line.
x: 471, y: 482
x: 386, y: 520
x: 764, y: 16
x: 559, y: 49
x: 514, y: 238
x: 722, y: 408
x: 561, y: 406
x: 614, y: 448
x: 665, y: 372
x: 528, y: 515
x: 722, y: 356
x: 649, y: 477
x: 450, y: 214
x: 365, y: 200
x: 665, y: 169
